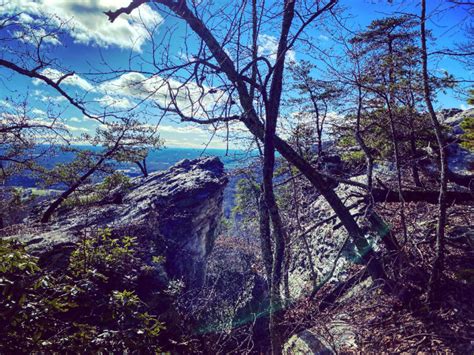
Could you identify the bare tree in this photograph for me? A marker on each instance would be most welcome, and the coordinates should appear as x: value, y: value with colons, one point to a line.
x: 443, y: 186
x: 123, y: 137
x: 229, y: 66
x: 213, y: 60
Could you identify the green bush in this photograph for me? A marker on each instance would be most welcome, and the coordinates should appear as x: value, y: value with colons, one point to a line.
x: 99, y: 191
x: 92, y: 306
x: 468, y: 137
x: 113, y: 181
x: 353, y: 157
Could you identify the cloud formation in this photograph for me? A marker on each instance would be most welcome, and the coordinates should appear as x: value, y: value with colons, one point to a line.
x: 115, y: 102
x: 86, y: 21
x: 119, y: 93
x: 191, y: 99
x: 73, y: 80
x: 268, y: 46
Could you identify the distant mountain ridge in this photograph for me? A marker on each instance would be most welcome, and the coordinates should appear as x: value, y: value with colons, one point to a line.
x: 157, y: 160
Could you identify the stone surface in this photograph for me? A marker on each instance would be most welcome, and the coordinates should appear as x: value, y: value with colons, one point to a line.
x: 454, y: 117
x: 461, y: 161
x: 307, y: 342
x: 336, y: 337
x: 322, y: 245
x: 175, y: 213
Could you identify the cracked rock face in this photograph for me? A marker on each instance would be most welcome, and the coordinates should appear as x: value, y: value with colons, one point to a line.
x: 175, y: 213
x: 325, y: 252
x: 460, y: 160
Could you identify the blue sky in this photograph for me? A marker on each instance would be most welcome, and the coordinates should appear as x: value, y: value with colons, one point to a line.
x: 89, y: 38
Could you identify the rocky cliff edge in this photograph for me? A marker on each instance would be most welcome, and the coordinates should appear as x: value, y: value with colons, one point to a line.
x: 175, y: 213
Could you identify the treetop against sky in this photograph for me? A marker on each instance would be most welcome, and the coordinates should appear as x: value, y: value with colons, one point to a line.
x: 116, y: 65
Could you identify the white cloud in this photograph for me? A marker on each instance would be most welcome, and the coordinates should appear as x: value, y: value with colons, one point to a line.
x: 32, y: 35
x: 87, y: 23
x: 323, y: 37
x: 115, y: 102
x: 76, y: 129
x: 44, y: 97
x: 25, y: 18
x: 268, y: 46
x: 158, y: 89
x: 74, y: 119
x: 179, y: 143
x: 194, y: 130
x: 5, y: 104
x: 198, y: 136
x: 52, y: 99
x: 73, y: 80
x: 8, y: 118
x: 38, y: 112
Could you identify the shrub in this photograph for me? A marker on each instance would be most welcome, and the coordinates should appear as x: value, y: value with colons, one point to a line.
x: 468, y: 137
x: 93, y: 305
x: 95, y: 193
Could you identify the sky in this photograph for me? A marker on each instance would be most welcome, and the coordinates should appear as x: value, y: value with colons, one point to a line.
x: 88, y: 39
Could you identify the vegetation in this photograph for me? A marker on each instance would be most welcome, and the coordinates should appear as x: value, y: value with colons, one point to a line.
x: 90, y: 194
x: 349, y: 144
x: 92, y: 306
x: 468, y: 137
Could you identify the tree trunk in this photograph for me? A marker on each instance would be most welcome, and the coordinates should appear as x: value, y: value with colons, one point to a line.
x: 56, y: 203
x: 451, y: 197
x: 373, y: 264
x: 265, y: 238
x: 438, y: 264
x: 414, y: 166
x: 396, y: 149
x: 396, y: 155
x: 278, y: 236
x: 142, y: 166
x: 358, y: 135
x: 252, y: 122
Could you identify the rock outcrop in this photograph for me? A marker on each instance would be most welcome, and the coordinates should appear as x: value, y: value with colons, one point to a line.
x: 324, y: 243
x: 460, y: 160
x: 175, y: 213
x: 337, y: 337
x: 453, y: 117
x: 324, y: 252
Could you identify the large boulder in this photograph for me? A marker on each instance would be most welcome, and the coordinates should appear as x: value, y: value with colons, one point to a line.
x: 338, y: 336
x: 175, y: 213
x: 323, y: 253
x: 453, y: 117
x: 460, y: 160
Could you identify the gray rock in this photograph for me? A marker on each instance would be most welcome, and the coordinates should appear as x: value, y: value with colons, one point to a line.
x: 454, y: 117
x: 460, y: 160
x: 338, y: 335
x: 307, y: 342
x: 175, y: 213
x: 324, y: 244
